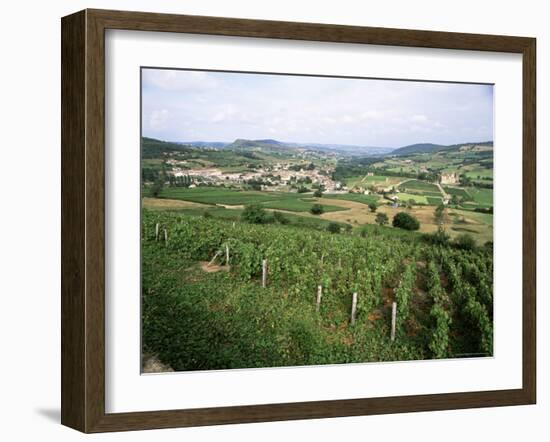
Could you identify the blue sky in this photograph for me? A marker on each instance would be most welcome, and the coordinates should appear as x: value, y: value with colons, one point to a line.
x: 183, y: 105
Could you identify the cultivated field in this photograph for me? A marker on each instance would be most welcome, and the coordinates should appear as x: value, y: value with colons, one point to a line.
x: 204, y: 310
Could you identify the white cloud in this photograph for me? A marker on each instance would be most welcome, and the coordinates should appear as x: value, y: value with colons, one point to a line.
x: 158, y: 119
x: 221, y: 106
x: 419, y: 118
x: 175, y: 80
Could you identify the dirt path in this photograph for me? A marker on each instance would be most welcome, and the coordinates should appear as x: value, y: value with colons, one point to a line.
x: 445, y: 196
x: 161, y: 203
x: 229, y: 206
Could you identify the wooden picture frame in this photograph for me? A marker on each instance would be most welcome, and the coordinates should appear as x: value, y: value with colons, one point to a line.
x: 83, y: 220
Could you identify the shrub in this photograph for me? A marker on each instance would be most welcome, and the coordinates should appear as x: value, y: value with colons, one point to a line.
x: 381, y: 219
x: 317, y: 209
x: 373, y: 206
x: 254, y: 214
x: 364, y: 232
x: 334, y: 228
x: 318, y: 193
x: 465, y: 241
x: 405, y: 221
x: 440, y: 237
x: 280, y: 218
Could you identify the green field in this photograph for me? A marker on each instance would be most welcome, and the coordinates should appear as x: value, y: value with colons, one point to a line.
x: 484, y: 197
x: 298, y: 205
x: 383, y: 180
x: 216, y: 195
x: 458, y: 192
x: 485, y: 218
x: 295, y: 202
x: 419, y: 186
x: 419, y: 199
x: 480, y: 174
x: 356, y: 197
x: 434, y: 201
x: 308, y: 222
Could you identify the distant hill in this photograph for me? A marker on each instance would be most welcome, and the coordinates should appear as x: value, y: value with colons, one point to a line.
x: 206, y: 144
x: 153, y: 148
x: 241, y: 143
x: 275, y: 145
x: 430, y: 147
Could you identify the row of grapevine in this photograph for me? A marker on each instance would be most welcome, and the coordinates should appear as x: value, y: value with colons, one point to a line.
x: 300, y: 260
x: 439, y: 342
x: 403, y: 294
x: 474, y: 301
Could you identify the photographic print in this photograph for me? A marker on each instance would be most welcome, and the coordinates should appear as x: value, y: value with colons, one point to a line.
x: 302, y: 220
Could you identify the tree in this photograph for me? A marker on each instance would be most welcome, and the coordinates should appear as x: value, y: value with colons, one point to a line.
x: 410, y: 203
x: 440, y: 237
x: 439, y: 215
x: 157, y: 186
x: 465, y: 242
x: 381, y: 219
x: 373, y: 206
x: 318, y: 193
x: 303, y: 189
x: 254, y: 214
x: 334, y: 228
x: 317, y: 209
x: 405, y: 221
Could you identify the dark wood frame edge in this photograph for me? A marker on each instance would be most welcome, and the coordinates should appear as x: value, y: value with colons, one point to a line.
x: 83, y: 235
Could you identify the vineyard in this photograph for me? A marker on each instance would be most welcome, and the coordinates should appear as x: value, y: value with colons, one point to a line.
x: 220, y: 294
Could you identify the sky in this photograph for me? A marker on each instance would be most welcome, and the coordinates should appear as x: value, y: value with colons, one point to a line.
x: 181, y: 105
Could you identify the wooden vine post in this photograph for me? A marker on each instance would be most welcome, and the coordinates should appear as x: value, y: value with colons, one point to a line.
x: 393, y: 319
x: 157, y: 227
x: 165, y: 237
x: 213, y: 259
x: 264, y: 273
x: 319, y: 295
x: 353, y: 308
x: 226, y: 255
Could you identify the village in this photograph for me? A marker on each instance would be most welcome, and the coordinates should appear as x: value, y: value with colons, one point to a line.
x: 276, y: 177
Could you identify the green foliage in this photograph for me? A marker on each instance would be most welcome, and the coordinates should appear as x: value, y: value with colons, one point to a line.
x: 318, y: 193
x: 440, y: 238
x: 254, y: 214
x: 317, y: 209
x: 280, y: 218
x: 418, y: 186
x: 197, y: 320
x: 439, y: 342
x: 404, y: 293
x: 373, y: 206
x: 465, y: 241
x: 405, y: 221
x: 157, y: 187
x: 334, y: 228
x: 439, y: 214
x: 381, y: 219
